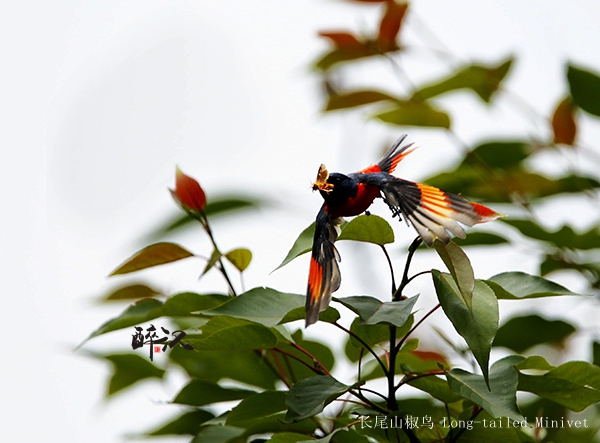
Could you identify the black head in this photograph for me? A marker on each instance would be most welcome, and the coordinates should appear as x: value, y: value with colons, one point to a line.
x: 341, y: 188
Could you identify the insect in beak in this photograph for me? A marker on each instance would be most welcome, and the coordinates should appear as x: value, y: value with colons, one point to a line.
x: 321, y: 183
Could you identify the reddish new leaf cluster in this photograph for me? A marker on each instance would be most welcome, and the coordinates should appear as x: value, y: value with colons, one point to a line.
x: 188, y: 193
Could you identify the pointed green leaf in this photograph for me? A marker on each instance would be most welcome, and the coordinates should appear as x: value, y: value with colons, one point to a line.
x: 212, y: 261
x: 575, y: 384
x: 302, y: 245
x: 129, y: 369
x: 263, y: 404
x: 481, y: 79
x: 309, y: 397
x: 499, y: 401
x: 480, y: 239
x: 179, y: 305
x: 415, y: 113
x: 186, y: 424
x: 153, y: 255
x: 585, y: 89
x: 522, y: 333
x: 477, y: 324
x: 260, y: 305
x: 228, y: 333
x: 240, y: 258
x: 460, y: 268
x: 131, y: 291
x: 519, y: 285
x: 502, y: 154
x: 373, y: 311
x: 139, y: 312
x: 201, y: 393
x: 368, y: 228
x: 356, y: 98
x: 217, y: 434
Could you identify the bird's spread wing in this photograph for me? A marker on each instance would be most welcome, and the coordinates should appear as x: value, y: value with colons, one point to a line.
x: 392, y: 157
x: 324, y: 274
x: 434, y: 213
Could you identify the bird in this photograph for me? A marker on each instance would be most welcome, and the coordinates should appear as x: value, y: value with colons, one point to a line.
x: 435, y: 214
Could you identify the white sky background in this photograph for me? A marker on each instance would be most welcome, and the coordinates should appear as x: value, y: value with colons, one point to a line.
x: 100, y: 101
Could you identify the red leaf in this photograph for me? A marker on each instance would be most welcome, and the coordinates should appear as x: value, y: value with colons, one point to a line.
x: 343, y: 40
x: 431, y: 356
x: 390, y: 25
x: 563, y: 123
x: 188, y: 192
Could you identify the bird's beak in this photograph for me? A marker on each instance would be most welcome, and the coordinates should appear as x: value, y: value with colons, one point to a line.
x: 321, y: 183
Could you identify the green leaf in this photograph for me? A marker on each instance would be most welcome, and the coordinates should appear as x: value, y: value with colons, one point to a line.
x: 460, y: 268
x: 503, y: 154
x: 153, y: 255
x: 263, y: 404
x: 309, y: 397
x: 500, y: 400
x: 533, y: 362
x: 214, y: 366
x: 201, y: 393
x: 129, y: 369
x: 476, y: 324
x: 217, y: 434
x: 128, y: 292
x: 436, y: 387
x: 179, y: 305
x: 372, y: 335
x: 585, y: 89
x: 519, y: 285
x: 481, y: 79
x: 290, y: 437
x: 415, y: 113
x: 565, y: 237
x: 302, y: 245
x: 228, y: 333
x: 186, y: 424
x: 340, y: 55
x: 522, y: 333
x: 575, y: 385
x: 260, y: 305
x: 373, y: 311
x: 356, y: 98
x: 139, y: 312
x: 240, y: 258
x: 480, y: 239
x: 368, y: 228
x: 212, y: 261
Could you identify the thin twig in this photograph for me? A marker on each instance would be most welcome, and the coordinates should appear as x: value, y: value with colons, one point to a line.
x: 312, y: 357
x: 403, y: 339
x: 362, y: 342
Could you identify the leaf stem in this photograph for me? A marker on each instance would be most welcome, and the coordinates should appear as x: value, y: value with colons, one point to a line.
x: 389, y: 260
